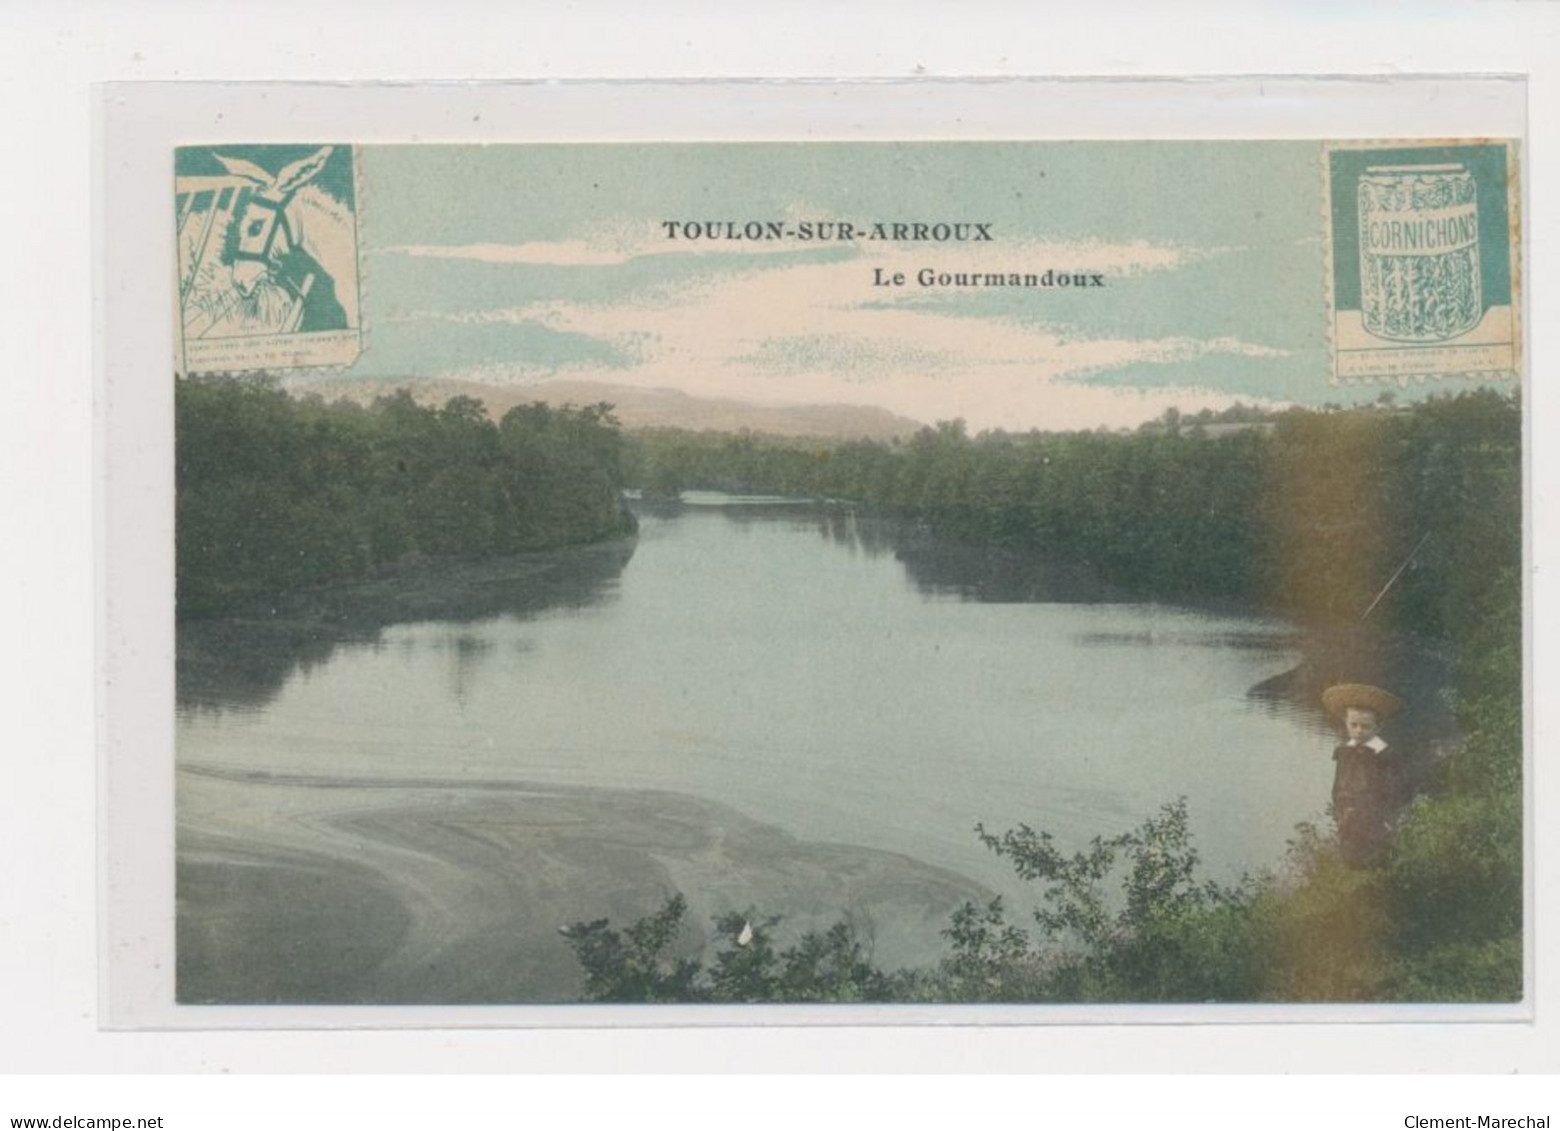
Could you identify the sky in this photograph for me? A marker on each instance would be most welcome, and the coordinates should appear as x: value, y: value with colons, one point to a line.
x: 521, y: 264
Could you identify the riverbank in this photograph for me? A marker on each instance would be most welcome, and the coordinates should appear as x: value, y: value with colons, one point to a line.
x: 381, y: 891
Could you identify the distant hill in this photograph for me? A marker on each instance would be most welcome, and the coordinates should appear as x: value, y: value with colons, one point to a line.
x: 638, y: 408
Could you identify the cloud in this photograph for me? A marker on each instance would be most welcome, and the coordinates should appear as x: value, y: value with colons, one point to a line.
x: 618, y: 242
x: 796, y: 330
x: 1183, y: 349
x: 601, y: 245
x: 570, y: 253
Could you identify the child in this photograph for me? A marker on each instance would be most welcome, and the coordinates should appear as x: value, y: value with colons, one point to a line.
x: 1370, y: 782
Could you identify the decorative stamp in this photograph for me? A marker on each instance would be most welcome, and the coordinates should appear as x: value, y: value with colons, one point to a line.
x: 1421, y: 240
x: 267, y: 258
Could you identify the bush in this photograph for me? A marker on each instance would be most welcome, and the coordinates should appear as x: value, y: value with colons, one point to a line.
x: 637, y: 965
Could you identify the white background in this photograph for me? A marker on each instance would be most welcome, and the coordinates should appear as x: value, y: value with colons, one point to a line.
x: 49, y: 56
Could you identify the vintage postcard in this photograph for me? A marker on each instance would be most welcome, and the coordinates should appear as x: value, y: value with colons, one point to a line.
x: 841, y: 573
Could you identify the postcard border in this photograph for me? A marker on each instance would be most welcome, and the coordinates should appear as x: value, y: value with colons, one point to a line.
x: 119, y: 390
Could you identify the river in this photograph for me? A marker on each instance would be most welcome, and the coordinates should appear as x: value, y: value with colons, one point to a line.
x: 780, y: 707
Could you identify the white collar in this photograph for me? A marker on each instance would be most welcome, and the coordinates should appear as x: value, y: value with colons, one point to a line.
x: 1375, y: 742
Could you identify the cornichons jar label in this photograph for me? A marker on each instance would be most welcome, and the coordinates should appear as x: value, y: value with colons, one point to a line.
x: 1419, y: 252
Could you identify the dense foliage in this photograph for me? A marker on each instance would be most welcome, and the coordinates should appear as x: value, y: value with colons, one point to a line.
x: 1306, y: 515
x: 643, y: 964
x: 276, y: 493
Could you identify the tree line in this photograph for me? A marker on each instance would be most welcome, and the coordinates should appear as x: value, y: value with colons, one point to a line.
x: 275, y: 492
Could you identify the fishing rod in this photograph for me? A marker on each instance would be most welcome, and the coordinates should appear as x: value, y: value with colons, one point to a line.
x: 1393, y: 579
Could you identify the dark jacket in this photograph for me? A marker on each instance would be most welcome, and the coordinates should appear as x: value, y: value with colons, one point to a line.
x: 1370, y: 788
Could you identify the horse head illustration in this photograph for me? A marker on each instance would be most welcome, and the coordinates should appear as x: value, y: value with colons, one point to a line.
x: 266, y: 243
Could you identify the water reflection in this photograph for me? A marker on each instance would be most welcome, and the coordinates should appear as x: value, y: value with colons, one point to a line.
x: 468, y: 653
x: 242, y: 662
x: 936, y: 564
x: 1255, y: 641
x: 941, y: 566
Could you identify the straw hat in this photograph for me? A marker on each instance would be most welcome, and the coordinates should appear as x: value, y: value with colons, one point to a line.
x: 1340, y: 697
